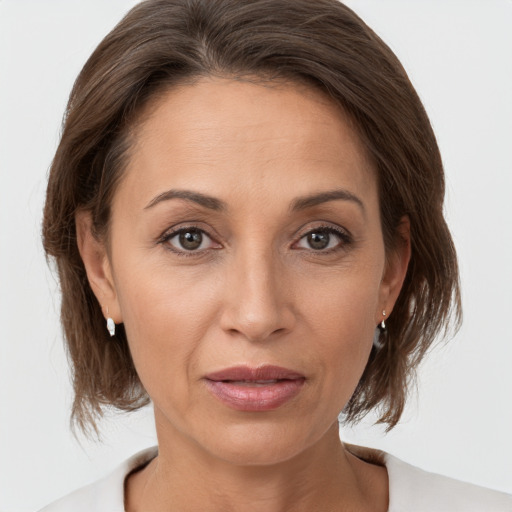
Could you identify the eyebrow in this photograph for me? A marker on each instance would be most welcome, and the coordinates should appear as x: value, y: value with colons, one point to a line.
x: 209, y: 202
x: 298, y: 204
x: 301, y: 203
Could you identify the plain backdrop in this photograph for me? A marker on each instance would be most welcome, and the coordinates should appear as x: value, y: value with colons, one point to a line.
x: 458, y: 54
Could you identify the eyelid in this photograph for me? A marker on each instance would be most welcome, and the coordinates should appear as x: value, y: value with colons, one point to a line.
x: 344, y: 235
x: 175, y: 231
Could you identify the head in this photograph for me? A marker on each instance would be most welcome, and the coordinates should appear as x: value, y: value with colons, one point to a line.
x: 260, y: 106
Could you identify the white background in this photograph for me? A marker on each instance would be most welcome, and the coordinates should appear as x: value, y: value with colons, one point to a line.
x: 459, y: 56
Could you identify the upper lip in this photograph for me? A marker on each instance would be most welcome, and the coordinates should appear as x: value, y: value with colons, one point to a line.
x: 246, y: 373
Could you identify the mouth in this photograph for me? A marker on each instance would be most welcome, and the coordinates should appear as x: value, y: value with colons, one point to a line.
x: 255, y: 389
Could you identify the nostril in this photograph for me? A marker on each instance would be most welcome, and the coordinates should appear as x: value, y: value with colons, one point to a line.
x: 256, y: 309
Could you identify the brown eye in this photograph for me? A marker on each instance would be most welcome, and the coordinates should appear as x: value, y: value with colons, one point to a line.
x: 191, y: 239
x: 323, y: 238
x: 318, y: 239
x: 188, y: 240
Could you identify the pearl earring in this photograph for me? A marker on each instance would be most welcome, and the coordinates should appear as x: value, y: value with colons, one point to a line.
x: 111, y: 326
x: 383, y: 324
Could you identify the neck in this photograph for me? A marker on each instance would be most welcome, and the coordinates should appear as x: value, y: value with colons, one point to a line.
x: 324, y: 477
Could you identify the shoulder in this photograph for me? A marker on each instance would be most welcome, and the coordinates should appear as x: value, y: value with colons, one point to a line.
x: 105, y: 494
x: 411, y: 488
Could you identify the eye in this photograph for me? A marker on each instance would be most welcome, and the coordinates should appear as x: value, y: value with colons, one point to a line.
x: 324, y: 239
x: 188, y: 239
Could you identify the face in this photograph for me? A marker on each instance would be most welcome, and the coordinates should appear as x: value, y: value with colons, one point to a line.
x: 247, y: 264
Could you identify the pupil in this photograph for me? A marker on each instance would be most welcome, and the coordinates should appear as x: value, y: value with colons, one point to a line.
x: 318, y: 240
x: 191, y: 239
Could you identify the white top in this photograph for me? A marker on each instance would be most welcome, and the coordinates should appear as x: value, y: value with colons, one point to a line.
x: 410, y: 489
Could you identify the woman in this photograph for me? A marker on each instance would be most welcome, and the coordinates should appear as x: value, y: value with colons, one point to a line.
x: 246, y: 213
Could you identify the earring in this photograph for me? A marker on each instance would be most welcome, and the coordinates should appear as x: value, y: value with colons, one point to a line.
x: 377, y: 341
x: 383, y: 324
x: 111, y: 326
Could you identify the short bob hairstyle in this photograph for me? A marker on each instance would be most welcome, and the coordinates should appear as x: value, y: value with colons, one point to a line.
x: 323, y: 44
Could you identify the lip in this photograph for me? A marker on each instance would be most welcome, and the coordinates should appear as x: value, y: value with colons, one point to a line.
x: 255, y: 389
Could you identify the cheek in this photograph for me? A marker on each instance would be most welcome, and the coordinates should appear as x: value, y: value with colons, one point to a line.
x: 344, y: 302
x: 341, y: 323
x: 166, y: 314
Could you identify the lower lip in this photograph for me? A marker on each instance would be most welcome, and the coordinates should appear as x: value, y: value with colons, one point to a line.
x: 257, y: 397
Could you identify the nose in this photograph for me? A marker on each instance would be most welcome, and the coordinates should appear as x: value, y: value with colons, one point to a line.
x: 257, y: 303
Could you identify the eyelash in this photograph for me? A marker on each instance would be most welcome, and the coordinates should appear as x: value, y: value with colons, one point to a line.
x: 346, y: 239
x: 170, y: 235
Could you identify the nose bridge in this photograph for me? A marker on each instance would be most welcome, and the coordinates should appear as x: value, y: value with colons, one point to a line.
x: 257, y: 304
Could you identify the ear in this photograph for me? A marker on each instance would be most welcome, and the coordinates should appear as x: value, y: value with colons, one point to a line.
x: 97, y: 266
x: 397, y: 262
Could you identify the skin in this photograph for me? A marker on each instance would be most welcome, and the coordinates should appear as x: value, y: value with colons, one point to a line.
x: 255, y: 292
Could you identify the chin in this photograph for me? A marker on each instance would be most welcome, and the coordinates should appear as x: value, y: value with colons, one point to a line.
x: 263, y: 444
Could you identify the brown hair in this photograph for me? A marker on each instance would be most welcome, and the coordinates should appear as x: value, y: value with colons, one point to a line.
x: 161, y: 43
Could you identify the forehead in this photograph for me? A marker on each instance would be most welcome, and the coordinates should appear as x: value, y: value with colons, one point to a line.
x: 220, y: 133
